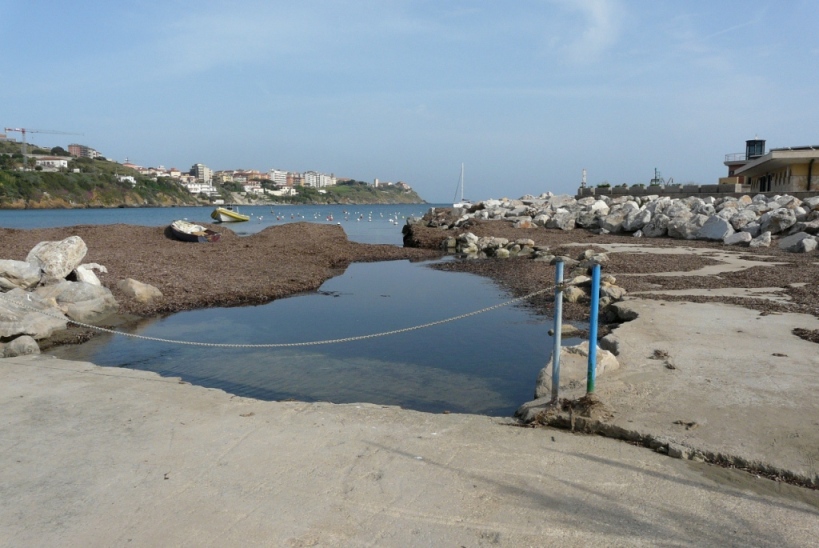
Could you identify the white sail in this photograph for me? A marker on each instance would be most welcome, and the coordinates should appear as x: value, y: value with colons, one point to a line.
x: 461, y: 202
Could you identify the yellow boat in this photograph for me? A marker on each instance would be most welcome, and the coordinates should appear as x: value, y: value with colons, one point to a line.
x: 227, y: 215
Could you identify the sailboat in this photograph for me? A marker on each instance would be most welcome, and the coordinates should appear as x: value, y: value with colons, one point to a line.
x: 461, y: 202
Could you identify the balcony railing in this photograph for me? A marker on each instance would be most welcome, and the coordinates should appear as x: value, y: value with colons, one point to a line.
x: 736, y: 157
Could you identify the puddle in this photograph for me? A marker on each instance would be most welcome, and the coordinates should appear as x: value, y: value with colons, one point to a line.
x: 485, y: 364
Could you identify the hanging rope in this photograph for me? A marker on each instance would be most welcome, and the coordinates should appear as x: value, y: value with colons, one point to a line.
x: 22, y: 304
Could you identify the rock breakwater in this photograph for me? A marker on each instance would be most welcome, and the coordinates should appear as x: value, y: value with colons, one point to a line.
x: 757, y: 221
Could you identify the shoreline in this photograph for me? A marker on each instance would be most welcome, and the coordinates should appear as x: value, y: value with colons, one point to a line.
x: 286, y: 260
x: 242, y: 203
x: 742, y: 396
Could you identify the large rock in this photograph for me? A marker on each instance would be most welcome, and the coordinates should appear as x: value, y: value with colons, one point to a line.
x: 777, y: 220
x: 562, y: 200
x: 798, y: 243
x: 57, y: 259
x: 716, y: 229
x: 21, y: 346
x: 636, y: 219
x: 686, y: 228
x: 23, y: 313
x: 574, y: 362
x: 741, y: 218
x: 657, y: 227
x: 763, y: 240
x: 600, y: 207
x: 738, y: 238
x: 613, y: 292
x: 85, y: 273
x: 82, y: 302
x: 540, y: 219
x: 143, y: 293
x: 587, y: 219
x: 613, y: 222
x: 811, y: 227
x: 20, y: 274
x: 574, y: 294
x: 562, y: 219
x: 811, y: 203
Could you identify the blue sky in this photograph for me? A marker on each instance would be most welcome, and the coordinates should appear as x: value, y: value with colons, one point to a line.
x: 525, y: 93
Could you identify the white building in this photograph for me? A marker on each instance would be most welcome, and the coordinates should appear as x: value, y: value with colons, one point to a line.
x: 202, y: 173
x: 278, y: 177
x: 318, y: 180
x: 127, y: 179
x: 253, y: 187
x: 196, y: 187
x: 286, y: 191
x: 52, y: 163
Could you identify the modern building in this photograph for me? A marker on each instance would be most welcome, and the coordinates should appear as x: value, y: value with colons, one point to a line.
x: 223, y: 177
x: 202, y: 173
x: 295, y: 179
x: 82, y: 151
x: 789, y: 169
x: 278, y: 177
x: 318, y: 180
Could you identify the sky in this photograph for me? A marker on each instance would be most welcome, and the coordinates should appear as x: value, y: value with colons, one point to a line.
x: 525, y: 94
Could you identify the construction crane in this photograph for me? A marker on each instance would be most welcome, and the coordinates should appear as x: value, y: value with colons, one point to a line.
x: 25, y: 130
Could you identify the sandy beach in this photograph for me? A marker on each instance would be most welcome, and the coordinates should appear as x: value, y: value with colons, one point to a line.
x: 99, y: 456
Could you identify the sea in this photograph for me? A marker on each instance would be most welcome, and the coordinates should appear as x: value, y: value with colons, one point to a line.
x: 486, y: 363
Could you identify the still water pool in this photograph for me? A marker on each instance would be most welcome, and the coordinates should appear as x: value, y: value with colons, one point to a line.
x: 483, y: 364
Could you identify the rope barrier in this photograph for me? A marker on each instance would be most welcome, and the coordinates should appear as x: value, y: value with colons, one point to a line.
x: 22, y: 304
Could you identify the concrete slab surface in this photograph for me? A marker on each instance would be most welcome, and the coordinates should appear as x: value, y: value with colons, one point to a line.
x: 719, y: 378
x: 93, y: 456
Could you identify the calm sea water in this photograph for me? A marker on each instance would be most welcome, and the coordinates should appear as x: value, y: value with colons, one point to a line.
x: 363, y: 223
x: 484, y: 364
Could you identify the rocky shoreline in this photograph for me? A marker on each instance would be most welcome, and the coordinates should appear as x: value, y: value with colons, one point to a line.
x: 298, y: 257
x: 656, y: 274
x: 504, y: 220
x: 277, y: 262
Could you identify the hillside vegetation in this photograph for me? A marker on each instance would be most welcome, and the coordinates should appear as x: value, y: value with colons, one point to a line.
x: 94, y: 186
x: 353, y: 192
x: 96, y: 183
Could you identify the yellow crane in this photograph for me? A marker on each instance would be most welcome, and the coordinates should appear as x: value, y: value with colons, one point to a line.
x: 25, y: 130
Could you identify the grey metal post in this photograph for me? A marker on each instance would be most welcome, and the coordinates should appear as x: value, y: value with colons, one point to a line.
x: 557, y: 331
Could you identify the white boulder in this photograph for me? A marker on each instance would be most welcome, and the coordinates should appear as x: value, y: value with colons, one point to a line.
x: 24, y: 345
x: 82, y: 302
x: 23, y: 313
x: 143, y: 293
x: 57, y: 259
x: 20, y: 274
x: 574, y: 362
x: 716, y: 229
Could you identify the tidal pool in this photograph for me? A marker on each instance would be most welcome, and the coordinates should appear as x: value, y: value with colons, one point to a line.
x: 485, y: 364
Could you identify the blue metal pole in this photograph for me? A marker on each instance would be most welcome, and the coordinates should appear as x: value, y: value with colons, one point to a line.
x: 593, y: 313
x: 557, y: 331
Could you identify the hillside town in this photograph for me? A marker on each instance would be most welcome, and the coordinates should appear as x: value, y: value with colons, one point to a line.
x: 200, y: 179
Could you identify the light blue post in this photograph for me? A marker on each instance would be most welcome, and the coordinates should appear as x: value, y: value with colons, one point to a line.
x: 595, y: 304
x: 557, y: 331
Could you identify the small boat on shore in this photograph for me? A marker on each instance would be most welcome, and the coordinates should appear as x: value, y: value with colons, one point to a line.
x: 190, y: 232
x: 228, y: 215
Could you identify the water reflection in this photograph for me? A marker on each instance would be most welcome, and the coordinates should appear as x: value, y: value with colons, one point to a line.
x: 482, y: 364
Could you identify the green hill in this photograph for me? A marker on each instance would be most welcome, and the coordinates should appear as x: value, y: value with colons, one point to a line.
x: 352, y: 192
x: 96, y: 183
x: 86, y: 183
